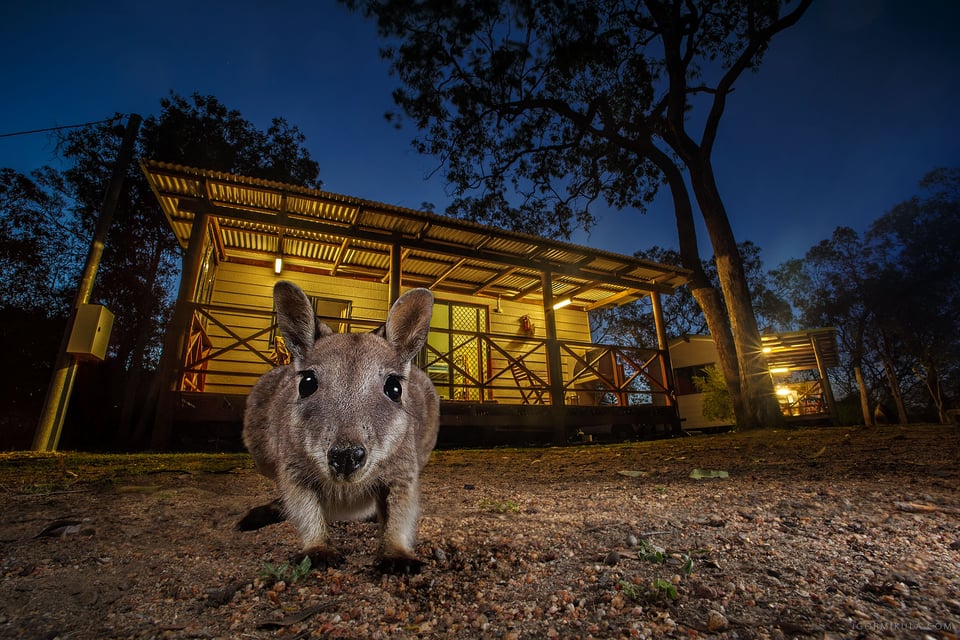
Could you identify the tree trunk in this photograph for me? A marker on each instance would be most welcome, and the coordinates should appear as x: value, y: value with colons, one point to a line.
x: 131, y: 397
x: 864, y: 395
x: 894, y: 383
x: 761, y: 406
x: 703, y: 291
x: 931, y: 380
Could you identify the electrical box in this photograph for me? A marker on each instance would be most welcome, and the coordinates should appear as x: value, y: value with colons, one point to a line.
x: 91, y: 332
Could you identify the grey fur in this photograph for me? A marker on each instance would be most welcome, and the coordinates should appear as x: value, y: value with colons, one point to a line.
x: 294, y: 440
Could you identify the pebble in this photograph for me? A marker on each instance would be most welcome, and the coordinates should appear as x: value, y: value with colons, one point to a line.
x: 716, y: 621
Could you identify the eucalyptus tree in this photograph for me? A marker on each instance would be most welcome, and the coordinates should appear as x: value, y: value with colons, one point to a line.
x: 538, y: 110
x: 682, y: 314
x: 831, y: 286
x: 141, y: 261
x: 919, y: 240
x: 38, y: 243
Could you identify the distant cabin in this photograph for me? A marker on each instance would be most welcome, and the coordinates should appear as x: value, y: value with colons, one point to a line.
x: 798, y: 363
x: 510, y: 348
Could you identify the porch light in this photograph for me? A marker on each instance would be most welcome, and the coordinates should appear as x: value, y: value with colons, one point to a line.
x: 779, y: 370
x: 767, y: 349
x: 278, y: 265
x: 783, y: 391
x: 563, y: 303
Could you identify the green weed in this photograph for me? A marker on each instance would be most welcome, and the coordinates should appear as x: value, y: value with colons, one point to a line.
x: 650, y: 553
x: 499, y: 506
x: 632, y: 591
x: 662, y: 589
x: 285, y: 572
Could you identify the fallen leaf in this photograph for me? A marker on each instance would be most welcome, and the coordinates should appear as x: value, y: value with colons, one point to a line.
x: 295, y: 618
x: 699, y: 474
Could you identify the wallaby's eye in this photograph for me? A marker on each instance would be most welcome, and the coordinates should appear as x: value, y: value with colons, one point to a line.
x: 392, y: 388
x: 308, y: 383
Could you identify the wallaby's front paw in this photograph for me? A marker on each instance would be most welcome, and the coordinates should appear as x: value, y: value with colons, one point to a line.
x: 401, y: 565
x: 320, y: 558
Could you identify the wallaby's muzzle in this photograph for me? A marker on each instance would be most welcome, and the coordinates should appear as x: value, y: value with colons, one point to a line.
x: 345, y: 460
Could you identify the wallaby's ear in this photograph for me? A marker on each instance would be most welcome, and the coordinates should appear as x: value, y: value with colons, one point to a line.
x: 295, y: 317
x: 409, y: 322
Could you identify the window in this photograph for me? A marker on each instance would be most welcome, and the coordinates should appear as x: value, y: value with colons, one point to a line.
x: 684, y: 377
x: 333, y: 312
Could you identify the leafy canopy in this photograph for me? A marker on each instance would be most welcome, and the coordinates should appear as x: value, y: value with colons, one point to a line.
x: 538, y: 110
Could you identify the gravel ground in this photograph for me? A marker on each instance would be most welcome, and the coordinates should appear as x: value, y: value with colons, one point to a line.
x: 813, y: 533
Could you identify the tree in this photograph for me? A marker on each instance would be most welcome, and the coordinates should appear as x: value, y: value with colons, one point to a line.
x: 37, y: 242
x: 633, y: 324
x: 894, y: 298
x: 37, y: 247
x: 563, y: 104
x: 829, y: 288
x: 919, y: 240
x: 202, y: 132
x: 140, y: 262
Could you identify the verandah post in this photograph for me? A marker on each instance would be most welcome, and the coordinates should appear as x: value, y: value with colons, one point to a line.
x: 171, y: 360
x: 554, y: 363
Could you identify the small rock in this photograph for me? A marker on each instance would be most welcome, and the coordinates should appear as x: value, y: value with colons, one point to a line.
x: 716, y: 621
x: 632, y: 541
x: 612, y: 559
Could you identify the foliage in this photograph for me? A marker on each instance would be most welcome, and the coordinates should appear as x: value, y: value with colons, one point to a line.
x: 716, y: 397
x: 658, y: 588
x: 202, y: 132
x: 38, y: 242
x: 918, y: 242
x: 499, y: 506
x: 661, y: 589
x: 285, y: 572
x: 632, y: 591
x: 894, y: 299
x: 633, y: 323
x: 550, y: 103
x: 47, y: 220
x: 538, y: 111
x: 648, y: 552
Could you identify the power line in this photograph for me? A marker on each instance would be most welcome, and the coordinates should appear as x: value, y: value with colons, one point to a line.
x: 66, y: 126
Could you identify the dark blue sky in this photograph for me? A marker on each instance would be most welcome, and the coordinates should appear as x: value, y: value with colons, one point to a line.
x: 850, y: 109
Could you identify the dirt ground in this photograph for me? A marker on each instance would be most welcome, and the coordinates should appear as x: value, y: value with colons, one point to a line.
x: 813, y: 533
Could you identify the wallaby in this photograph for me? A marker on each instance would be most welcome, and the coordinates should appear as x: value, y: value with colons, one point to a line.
x: 346, y: 428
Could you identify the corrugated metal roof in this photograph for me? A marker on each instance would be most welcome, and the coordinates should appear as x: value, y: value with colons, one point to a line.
x: 332, y: 232
x: 799, y: 350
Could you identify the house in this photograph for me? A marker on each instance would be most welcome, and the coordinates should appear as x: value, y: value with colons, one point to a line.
x: 798, y: 363
x: 509, y: 351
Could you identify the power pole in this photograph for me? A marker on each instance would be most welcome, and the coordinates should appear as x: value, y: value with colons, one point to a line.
x: 47, y: 436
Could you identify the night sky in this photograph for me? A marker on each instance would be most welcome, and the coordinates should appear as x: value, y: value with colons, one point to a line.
x: 850, y: 109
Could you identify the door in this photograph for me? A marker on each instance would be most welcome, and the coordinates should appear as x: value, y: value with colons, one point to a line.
x: 457, y: 354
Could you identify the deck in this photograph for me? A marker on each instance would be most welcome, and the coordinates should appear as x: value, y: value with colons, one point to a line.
x: 494, y: 388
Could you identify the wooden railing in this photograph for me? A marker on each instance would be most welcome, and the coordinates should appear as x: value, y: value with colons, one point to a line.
x: 810, y: 399
x: 240, y: 345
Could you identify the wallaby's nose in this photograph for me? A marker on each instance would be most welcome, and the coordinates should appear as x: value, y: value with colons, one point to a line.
x: 345, y: 460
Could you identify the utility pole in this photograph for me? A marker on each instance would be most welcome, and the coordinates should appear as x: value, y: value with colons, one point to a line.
x: 47, y: 436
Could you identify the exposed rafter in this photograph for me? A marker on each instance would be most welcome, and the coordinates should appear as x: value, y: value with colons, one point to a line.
x: 354, y: 237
